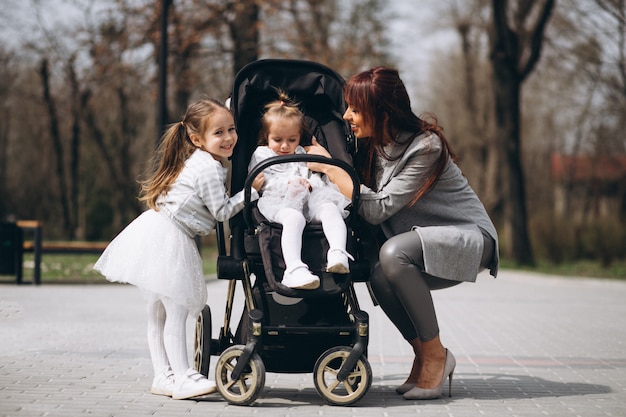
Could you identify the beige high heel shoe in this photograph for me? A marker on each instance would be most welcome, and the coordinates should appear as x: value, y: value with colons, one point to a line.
x: 431, y: 393
x: 408, y: 386
x: 404, y: 388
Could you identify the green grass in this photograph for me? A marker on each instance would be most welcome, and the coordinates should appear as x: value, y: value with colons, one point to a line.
x: 78, y: 268
x: 69, y: 268
x: 582, y: 268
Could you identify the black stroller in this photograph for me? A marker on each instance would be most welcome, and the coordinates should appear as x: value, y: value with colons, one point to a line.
x: 285, y: 330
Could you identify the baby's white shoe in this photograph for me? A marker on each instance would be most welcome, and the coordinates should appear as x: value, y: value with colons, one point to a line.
x: 192, y: 384
x: 163, y: 383
x: 300, y: 278
x: 337, y: 261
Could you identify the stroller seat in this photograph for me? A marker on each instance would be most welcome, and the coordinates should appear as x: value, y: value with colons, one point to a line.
x: 263, y: 241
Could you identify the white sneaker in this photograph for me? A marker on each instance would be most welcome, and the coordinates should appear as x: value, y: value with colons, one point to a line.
x: 337, y: 261
x: 192, y: 384
x: 300, y: 278
x: 163, y: 383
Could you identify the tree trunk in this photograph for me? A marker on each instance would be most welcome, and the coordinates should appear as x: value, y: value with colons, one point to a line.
x: 57, y: 143
x: 130, y: 208
x: 507, y: 102
x: 515, y: 49
x: 4, y: 152
x: 244, y: 31
x: 78, y: 102
x: 162, y: 111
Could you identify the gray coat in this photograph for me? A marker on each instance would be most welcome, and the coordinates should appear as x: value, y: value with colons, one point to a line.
x: 450, y: 219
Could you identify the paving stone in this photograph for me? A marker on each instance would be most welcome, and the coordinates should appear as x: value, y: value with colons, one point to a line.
x: 526, y: 345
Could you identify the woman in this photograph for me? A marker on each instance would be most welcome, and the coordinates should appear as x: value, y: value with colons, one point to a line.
x: 437, y: 231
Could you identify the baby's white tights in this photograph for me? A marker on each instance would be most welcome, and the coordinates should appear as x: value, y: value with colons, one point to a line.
x: 294, y: 222
x: 333, y: 225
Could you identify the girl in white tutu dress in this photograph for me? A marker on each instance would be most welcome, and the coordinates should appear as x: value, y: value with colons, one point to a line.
x: 293, y: 195
x: 186, y: 196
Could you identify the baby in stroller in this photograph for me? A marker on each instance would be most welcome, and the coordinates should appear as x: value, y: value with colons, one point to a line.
x: 293, y: 195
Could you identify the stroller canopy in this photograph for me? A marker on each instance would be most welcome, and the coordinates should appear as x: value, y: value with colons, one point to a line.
x: 317, y: 89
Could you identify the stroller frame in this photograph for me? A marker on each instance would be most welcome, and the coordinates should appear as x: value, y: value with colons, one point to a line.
x: 334, y: 352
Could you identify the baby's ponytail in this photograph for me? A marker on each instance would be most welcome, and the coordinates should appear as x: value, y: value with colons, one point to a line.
x: 284, y: 107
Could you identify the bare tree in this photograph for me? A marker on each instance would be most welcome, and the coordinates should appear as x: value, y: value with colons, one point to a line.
x: 243, y: 24
x: 516, y: 39
x: 203, y: 37
x: 470, y: 116
x: 598, y: 50
x: 57, y: 141
x: 118, y: 98
x: 94, y: 93
x: 348, y: 36
x: 7, y: 79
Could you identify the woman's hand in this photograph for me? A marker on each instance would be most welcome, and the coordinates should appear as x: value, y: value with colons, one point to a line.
x: 258, y: 182
x: 316, y: 149
x: 337, y: 175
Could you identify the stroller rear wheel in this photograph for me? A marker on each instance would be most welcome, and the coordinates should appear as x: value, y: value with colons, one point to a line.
x: 202, y: 342
x: 344, y: 392
x: 247, y: 388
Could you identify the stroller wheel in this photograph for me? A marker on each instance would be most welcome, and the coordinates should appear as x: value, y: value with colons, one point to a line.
x: 344, y: 392
x: 247, y: 388
x: 202, y: 342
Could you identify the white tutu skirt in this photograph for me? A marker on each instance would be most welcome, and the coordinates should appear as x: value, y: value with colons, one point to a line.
x: 155, y: 255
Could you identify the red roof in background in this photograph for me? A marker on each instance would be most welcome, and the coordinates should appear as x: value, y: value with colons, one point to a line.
x: 580, y: 168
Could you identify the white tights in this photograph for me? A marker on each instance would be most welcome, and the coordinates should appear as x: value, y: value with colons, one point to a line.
x: 293, y: 225
x: 167, y: 336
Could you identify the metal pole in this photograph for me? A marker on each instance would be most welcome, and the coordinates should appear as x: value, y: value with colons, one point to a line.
x: 162, y: 117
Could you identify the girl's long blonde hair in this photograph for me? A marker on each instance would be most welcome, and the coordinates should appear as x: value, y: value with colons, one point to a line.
x: 176, y: 147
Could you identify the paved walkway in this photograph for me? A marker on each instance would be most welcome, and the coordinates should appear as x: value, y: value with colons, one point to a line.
x: 526, y: 345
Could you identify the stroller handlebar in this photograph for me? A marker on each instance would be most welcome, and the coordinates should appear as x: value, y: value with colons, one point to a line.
x: 275, y: 160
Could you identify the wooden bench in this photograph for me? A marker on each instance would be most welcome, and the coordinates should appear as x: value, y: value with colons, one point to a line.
x: 38, y: 247
x: 66, y: 247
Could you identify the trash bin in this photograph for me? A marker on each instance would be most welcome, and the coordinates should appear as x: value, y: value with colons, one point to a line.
x: 11, y: 252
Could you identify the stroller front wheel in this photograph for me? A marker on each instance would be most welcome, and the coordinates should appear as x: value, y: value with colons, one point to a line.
x: 246, y: 389
x: 344, y: 392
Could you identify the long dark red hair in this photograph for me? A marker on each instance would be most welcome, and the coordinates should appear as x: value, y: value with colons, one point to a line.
x: 381, y: 97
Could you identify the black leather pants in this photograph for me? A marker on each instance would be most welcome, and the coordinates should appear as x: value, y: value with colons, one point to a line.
x: 403, y: 290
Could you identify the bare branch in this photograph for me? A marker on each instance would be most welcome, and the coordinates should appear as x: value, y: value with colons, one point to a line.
x: 536, y: 38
